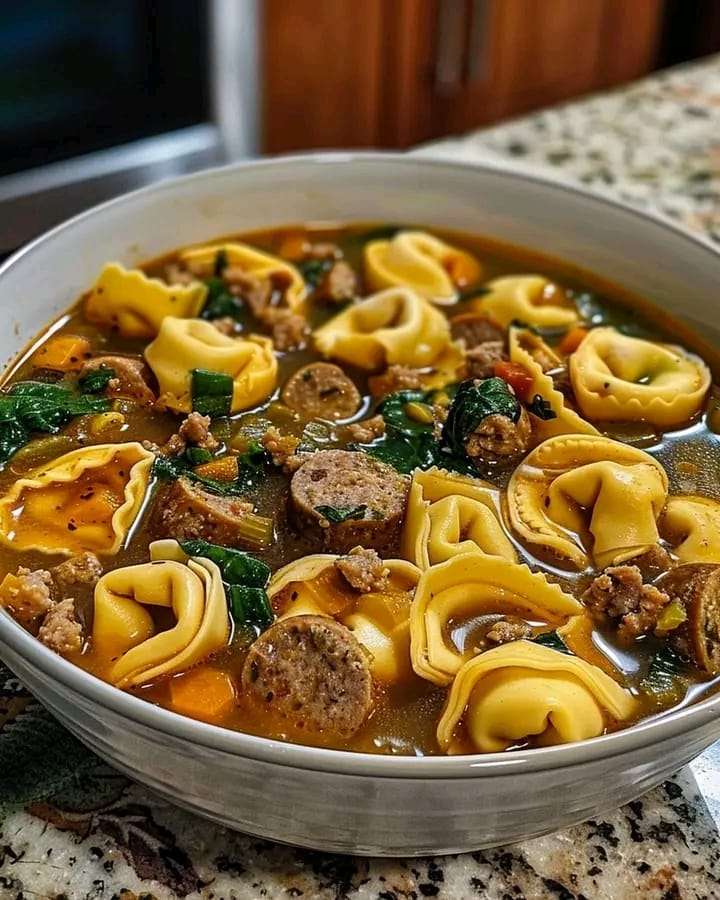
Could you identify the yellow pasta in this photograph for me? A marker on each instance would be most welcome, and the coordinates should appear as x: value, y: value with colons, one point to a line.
x: 191, y: 590
x: 255, y: 263
x: 465, y: 588
x: 525, y: 349
x: 449, y: 514
x: 530, y: 299
x: 588, y: 498
x: 87, y: 499
x: 135, y: 305
x: 692, y: 527
x: 522, y: 691
x: 379, y: 620
x: 396, y: 326
x: 186, y: 344
x: 621, y: 378
x: 417, y: 260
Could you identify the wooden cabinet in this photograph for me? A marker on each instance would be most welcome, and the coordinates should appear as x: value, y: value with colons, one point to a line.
x: 393, y: 73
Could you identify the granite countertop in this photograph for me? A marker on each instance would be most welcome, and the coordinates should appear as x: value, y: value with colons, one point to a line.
x: 71, y: 828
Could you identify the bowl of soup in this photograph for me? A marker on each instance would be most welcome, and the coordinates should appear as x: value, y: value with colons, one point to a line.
x: 367, y: 503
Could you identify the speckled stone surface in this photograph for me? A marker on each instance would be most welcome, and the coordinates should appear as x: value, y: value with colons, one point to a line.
x: 70, y: 827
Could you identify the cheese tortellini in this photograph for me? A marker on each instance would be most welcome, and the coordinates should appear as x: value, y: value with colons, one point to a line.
x: 470, y: 586
x: 530, y: 299
x: 379, y: 620
x: 186, y: 344
x: 621, y: 378
x: 254, y: 263
x: 448, y: 514
x: 523, y: 691
x: 123, y: 629
x: 396, y: 326
x: 135, y: 305
x: 692, y: 527
x: 85, y: 500
x: 526, y: 349
x: 587, y: 498
x: 420, y: 261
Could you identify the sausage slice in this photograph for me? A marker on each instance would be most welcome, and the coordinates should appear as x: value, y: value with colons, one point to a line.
x: 321, y: 390
x: 697, y: 587
x: 312, y: 671
x: 346, y: 498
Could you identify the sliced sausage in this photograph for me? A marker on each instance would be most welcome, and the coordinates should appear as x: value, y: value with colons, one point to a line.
x: 321, y: 391
x: 697, y: 587
x: 475, y: 329
x: 367, y: 496
x: 129, y: 381
x: 311, y: 671
x: 188, y: 512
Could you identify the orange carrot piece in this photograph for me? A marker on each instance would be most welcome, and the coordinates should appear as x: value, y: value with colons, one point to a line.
x: 223, y: 469
x: 203, y: 693
x: 63, y: 353
x: 572, y: 340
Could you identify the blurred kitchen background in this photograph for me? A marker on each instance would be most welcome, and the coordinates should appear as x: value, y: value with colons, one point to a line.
x: 100, y: 96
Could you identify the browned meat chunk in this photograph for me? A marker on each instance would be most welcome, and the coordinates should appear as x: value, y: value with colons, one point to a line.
x: 480, y: 361
x: 653, y: 562
x: 619, y: 594
x: 363, y: 570
x: 28, y: 595
x: 338, y: 284
x: 311, y: 671
x: 366, y: 430
x: 187, y: 512
x: 130, y: 380
x: 176, y: 274
x: 393, y: 379
x: 290, y: 331
x: 227, y: 325
x: 475, y: 329
x: 280, y: 446
x: 506, y: 630
x: 347, y: 498
x: 195, y: 429
x: 321, y: 391
x: 83, y: 569
x: 60, y: 630
x: 497, y: 438
x: 697, y: 587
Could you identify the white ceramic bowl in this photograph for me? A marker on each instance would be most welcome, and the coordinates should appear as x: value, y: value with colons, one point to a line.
x: 328, y: 799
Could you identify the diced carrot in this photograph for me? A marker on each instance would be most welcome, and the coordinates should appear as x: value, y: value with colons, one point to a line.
x: 463, y: 269
x: 293, y: 247
x: 517, y: 376
x: 223, y: 469
x: 63, y: 353
x: 203, y: 693
x: 572, y: 340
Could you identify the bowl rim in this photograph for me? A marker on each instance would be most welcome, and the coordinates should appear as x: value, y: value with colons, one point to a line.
x: 65, y: 674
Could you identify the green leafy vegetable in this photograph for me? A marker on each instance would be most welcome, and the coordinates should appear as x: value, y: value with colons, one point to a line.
x: 221, y: 303
x: 595, y: 312
x: 313, y: 270
x: 667, y: 672
x: 552, y: 640
x: 211, y: 392
x: 221, y: 262
x: 31, y: 406
x: 470, y: 293
x: 170, y: 468
x: 541, y: 408
x: 196, y: 456
x: 338, y: 514
x: 96, y: 380
x: 473, y: 403
x: 252, y: 465
x: 244, y: 579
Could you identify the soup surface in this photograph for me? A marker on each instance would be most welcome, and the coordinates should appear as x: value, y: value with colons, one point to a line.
x: 378, y: 488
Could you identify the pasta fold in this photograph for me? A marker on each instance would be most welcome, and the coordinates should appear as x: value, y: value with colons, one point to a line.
x: 192, y: 591
x: 621, y: 378
x: 84, y: 500
x: 449, y: 514
x: 126, y: 299
x: 522, y: 691
x: 422, y: 262
x: 255, y: 263
x: 586, y: 497
x: 468, y: 587
x: 396, y: 326
x: 692, y: 527
x: 530, y: 299
x: 186, y: 344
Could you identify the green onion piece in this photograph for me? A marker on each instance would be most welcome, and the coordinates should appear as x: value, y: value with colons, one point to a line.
x: 211, y: 392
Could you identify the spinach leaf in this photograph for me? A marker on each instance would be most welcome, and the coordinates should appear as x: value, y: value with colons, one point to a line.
x: 211, y: 392
x: 170, y: 468
x: 541, y: 408
x: 336, y: 514
x: 313, y: 270
x: 393, y: 412
x: 221, y: 303
x: 470, y: 293
x: 221, y: 262
x: 250, y: 607
x: 196, y: 456
x: 96, y: 380
x: 552, y: 640
x: 473, y: 403
x: 252, y: 465
x: 666, y: 672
